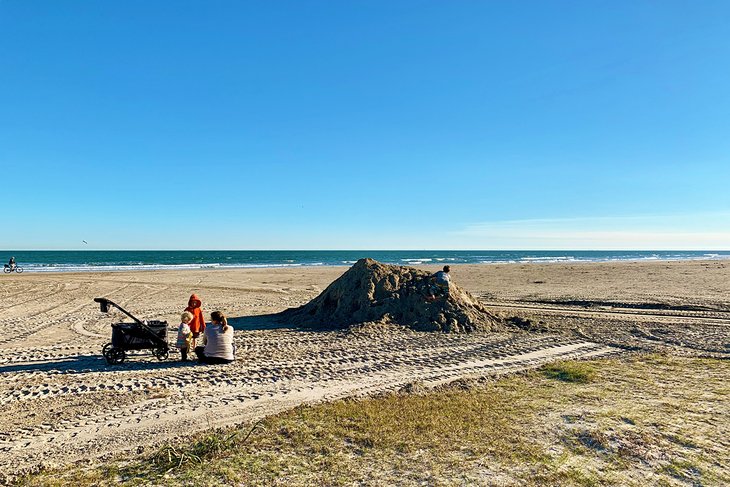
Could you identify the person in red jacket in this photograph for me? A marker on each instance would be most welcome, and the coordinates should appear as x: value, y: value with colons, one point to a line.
x: 197, y: 326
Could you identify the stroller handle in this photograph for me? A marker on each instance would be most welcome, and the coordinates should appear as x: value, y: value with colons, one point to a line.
x: 103, y: 304
x: 104, y: 307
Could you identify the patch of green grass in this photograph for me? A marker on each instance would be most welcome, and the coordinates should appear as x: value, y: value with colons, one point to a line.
x: 573, y: 371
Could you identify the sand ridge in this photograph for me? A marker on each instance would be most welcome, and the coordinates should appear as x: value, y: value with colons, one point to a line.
x: 372, y: 292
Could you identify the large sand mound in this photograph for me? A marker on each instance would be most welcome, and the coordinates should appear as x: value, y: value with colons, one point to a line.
x: 373, y: 292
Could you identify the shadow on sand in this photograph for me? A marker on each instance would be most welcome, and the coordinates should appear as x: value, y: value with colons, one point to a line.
x: 84, y: 364
x: 258, y: 322
x: 274, y: 321
x: 137, y: 359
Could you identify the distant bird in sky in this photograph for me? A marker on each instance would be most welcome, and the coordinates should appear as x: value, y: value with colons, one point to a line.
x: 87, y: 243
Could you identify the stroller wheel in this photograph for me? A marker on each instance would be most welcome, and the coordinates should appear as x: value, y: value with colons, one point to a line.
x: 115, y: 356
x: 161, y: 353
x: 106, y: 349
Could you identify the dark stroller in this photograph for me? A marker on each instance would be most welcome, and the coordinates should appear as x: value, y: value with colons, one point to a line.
x: 140, y: 335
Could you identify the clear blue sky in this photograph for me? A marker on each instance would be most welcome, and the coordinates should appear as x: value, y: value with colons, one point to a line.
x: 365, y: 124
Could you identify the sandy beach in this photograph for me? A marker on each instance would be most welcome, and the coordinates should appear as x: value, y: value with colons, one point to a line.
x: 63, y: 403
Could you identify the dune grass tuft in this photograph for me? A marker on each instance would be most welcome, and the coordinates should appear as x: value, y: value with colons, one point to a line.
x: 573, y: 371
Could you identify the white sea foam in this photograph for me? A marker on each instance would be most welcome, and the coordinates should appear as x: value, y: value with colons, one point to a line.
x: 557, y: 258
x: 152, y: 267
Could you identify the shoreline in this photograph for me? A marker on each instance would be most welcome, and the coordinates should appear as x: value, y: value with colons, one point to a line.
x: 50, y: 270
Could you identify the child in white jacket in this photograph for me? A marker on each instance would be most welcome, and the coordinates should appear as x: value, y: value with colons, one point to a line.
x: 184, y: 335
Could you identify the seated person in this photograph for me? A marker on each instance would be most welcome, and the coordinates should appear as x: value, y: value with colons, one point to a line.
x: 218, y: 339
x: 11, y: 263
x: 439, y: 284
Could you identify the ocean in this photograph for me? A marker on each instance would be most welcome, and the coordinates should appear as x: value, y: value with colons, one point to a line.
x: 119, y: 260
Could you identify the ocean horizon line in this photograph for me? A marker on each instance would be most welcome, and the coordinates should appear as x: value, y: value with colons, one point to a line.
x: 122, y: 260
x: 373, y: 250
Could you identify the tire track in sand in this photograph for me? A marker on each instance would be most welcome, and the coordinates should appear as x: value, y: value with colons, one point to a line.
x: 282, y: 369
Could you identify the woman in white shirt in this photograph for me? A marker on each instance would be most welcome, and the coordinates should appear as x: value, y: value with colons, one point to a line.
x: 218, y: 339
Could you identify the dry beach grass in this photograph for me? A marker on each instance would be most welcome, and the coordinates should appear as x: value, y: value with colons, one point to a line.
x: 636, y: 421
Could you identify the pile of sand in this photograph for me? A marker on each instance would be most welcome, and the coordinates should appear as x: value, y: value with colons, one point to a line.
x: 371, y: 292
